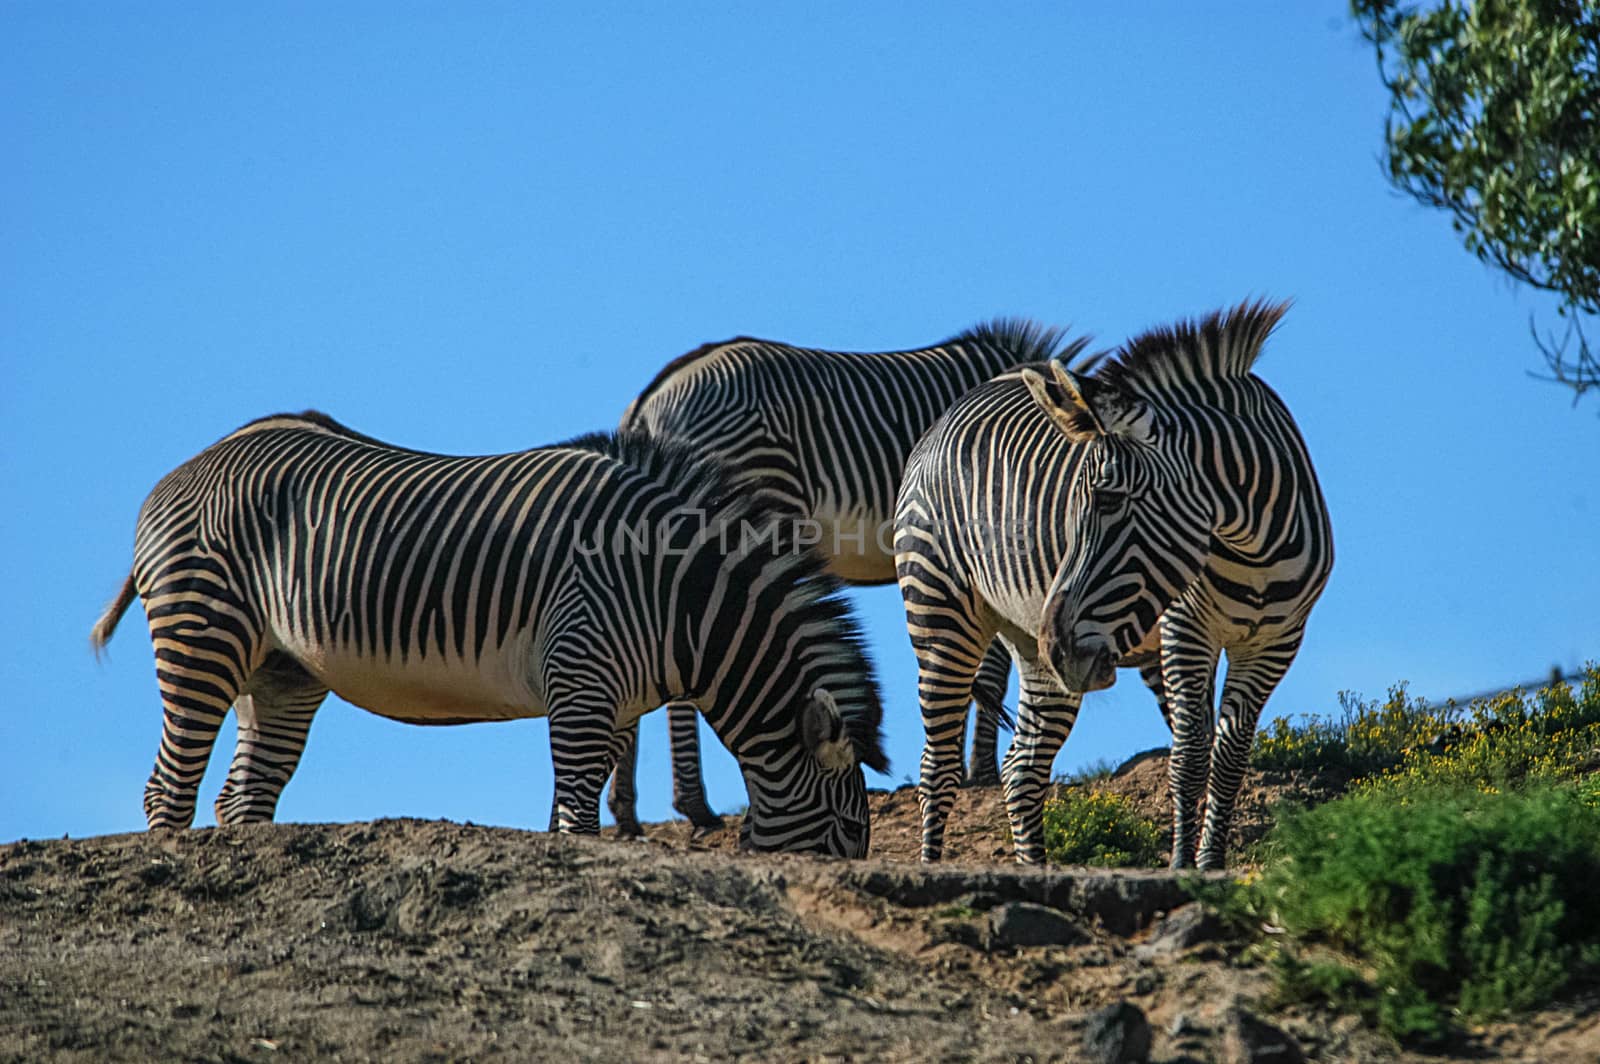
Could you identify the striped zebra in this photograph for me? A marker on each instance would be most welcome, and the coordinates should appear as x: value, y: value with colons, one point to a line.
x: 824, y: 435
x: 588, y: 582
x: 1153, y: 514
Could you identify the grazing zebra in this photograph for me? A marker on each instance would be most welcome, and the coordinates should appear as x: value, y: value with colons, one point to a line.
x: 1154, y: 514
x: 589, y: 582
x: 824, y: 435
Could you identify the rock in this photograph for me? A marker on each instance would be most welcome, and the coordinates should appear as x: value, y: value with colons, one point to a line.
x: 1248, y: 1039
x: 1180, y: 929
x: 1117, y: 1034
x: 1124, y: 903
x: 1023, y: 923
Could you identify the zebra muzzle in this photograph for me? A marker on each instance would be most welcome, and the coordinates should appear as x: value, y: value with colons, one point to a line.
x: 1086, y: 665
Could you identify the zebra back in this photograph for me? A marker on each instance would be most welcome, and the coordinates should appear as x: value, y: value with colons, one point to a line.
x: 827, y: 433
x: 302, y: 534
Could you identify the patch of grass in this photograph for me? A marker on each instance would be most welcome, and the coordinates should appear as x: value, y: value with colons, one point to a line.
x: 1456, y: 901
x: 1090, y: 774
x: 1095, y: 828
x: 956, y: 912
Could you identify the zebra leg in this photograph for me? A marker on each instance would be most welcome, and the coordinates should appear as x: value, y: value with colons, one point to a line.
x: 1250, y: 681
x: 584, y: 744
x: 988, y: 696
x: 1046, y: 712
x: 951, y: 630
x: 623, y: 801
x: 274, y: 715
x: 200, y: 670
x: 944, y: 687
x: 1189, y: 680
x: 688, y: 784
x: 1150, y: 673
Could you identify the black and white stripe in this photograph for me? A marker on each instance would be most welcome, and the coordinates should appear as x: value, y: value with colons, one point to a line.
x: 589, y: 582
x: 1154, y: 514
x: 824, y: 435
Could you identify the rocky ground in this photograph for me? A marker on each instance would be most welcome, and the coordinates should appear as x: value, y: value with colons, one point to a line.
x: 419, y: 940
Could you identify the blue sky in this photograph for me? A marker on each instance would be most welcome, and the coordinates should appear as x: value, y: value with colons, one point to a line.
x: 483, y: 227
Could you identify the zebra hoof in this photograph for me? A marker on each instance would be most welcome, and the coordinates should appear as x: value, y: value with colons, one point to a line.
x: 629, y: 829
x: 706, y: 823
x: 700, y: 815
x: 982, y: 779
x: 705, y: 831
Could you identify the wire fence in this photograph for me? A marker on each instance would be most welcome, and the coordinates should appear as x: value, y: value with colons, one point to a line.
x: 1554, y: 676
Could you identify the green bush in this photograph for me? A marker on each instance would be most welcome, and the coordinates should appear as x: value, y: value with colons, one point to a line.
x: 1456, y: 900
x: 1095, y: 828
x: 1508, y: 742
x: 1365, y: 737
x: 1454, y: 879
x: 1498, y: 742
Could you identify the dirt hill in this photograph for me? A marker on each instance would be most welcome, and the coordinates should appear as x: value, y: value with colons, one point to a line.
x: 416, y: 940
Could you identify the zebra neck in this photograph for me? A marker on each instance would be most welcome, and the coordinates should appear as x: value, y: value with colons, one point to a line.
x: 1285, y: 554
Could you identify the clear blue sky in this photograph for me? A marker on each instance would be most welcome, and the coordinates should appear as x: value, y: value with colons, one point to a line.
x: 483, y: 227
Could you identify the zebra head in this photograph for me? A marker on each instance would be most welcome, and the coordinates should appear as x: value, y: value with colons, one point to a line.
x: 817, y: 802
x: 791, y: 693
x: 1139, y: 529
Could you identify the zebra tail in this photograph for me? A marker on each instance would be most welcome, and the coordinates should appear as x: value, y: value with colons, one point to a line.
x: 991, y: 703
x: 100, y: 634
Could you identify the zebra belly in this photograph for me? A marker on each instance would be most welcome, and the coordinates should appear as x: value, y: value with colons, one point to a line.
x: 859, y: 548
x: 432, y: 690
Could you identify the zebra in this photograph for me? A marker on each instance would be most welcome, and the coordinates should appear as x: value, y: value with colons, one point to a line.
x: 824, y: 435
x: 588, y: 582
x: 1153, y: 514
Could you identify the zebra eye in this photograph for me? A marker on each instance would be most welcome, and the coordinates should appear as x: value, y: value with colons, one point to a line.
x: 1108, y: 502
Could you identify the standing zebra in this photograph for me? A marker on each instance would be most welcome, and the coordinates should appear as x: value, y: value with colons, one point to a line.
x: 1154, y: 514
x: 824, y: 435
x: 589, y: 582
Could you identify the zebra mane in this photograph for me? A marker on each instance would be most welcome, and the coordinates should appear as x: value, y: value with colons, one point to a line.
x: 317, y: 421
x: 1223, y: 344
x: 676, y: 465
x: 307, y: 419
x: 823, y: 595
x: 325, y: 421
x: 1028, y: 340
x: 686, y: 470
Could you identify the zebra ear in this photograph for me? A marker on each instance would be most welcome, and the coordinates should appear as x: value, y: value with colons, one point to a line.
x: 1084, y: 407
x: 822, y: 730
x: 1060, y: 396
